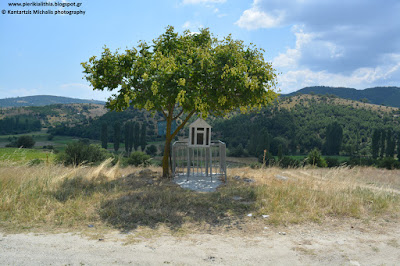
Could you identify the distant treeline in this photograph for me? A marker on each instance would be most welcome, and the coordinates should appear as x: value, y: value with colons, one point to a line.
x: 19, y: 124
x: 332, y: 129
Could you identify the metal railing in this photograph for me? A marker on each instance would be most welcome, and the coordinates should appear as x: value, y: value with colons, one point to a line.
x: 199, y: 161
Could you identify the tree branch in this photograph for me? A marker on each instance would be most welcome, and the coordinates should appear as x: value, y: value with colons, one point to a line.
x: 183, y: 124
x: 164, y: 114
x: 178, y: 115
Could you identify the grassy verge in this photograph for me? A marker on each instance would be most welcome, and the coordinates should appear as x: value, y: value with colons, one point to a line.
x: 56, y: 197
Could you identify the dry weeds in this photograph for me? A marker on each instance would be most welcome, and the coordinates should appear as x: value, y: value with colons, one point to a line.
x: 54, y: 197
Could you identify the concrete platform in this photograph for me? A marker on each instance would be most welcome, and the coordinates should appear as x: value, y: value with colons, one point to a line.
x: 199, y: 182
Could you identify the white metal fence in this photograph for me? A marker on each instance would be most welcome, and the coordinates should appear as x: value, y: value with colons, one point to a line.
x: 199, y: 161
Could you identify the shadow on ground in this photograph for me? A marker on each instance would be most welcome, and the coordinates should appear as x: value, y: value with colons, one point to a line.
x: 153, y: 201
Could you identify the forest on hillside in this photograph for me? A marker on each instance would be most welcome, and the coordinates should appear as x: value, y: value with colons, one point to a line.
x: 287, y: 128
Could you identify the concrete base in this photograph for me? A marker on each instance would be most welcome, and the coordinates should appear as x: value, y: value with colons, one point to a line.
x: 198, y: 182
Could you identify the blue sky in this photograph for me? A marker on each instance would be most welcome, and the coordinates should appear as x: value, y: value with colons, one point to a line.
x: 347, y: 43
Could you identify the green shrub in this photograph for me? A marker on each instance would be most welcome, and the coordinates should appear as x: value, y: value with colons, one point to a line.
x: 25, y: 142
x: 314, y: 158
x: 389, y: 163
x: 151, y: 150
x: 78, y: 153
x: 138, y: 158
x: 287, y: 162
x: 332, y: 162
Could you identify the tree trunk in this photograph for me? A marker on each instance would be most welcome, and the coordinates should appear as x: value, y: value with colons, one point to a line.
x: 165, y: 163
x: 168, y: 139
x: 167, y: 146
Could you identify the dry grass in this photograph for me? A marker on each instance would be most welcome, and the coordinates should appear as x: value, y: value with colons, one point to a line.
x: 314, y: 193
x: 52, y: 197
x: 289, y: 104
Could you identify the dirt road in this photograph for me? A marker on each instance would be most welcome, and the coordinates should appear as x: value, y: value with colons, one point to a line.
x: 349, y: 243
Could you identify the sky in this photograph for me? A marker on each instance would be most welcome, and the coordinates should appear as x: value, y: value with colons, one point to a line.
x: 341, y: 43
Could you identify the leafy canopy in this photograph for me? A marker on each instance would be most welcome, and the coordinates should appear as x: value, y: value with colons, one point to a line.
x: 196, y: 72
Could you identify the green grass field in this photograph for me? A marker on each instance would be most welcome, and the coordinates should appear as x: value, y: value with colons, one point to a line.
x: 23, y: 156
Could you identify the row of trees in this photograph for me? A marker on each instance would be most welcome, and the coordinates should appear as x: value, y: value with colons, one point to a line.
x: 19, y: 124
x: 332, y: 129
x: 134, y: 136
x: 384, y: 144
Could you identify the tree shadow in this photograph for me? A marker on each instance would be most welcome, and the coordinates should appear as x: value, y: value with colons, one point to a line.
x: 79, y: 186
x: 152, y: 202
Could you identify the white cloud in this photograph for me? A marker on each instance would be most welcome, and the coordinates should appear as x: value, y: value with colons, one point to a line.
x: 254, y: 18
x: 338, y: 42
x: 192, y: 26
x: 361, y: 78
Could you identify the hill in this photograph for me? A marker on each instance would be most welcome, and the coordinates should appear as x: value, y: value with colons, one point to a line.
x: 42, y: 100
x: 389, y: 96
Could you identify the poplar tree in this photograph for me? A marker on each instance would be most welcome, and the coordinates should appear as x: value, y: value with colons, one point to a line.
x: 390, y: 144
x: 131, y: 136
x: 104, y: 137
x: 376, y: 137
x: 398, y: 147
x: 126, y: 137
x: 181, y: 75
x: 136, y: 136
x: 117, y: 135
x: 143, y: 137
x: 382, y: 143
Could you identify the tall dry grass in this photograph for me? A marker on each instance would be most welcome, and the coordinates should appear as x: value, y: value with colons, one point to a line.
x: 53, y: 196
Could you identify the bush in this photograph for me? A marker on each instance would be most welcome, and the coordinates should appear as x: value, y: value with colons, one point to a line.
x: 353, y: 161
x: 151, y: 150
x: 22, y: 142
x: 78, y: 153
x: 287, y: 162
x: 332, y: 162
x: 389, y: 163
x: 315, y: 159
x: 138, y: 158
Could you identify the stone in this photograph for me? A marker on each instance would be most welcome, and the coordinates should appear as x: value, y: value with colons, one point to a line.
x: 281, y: 177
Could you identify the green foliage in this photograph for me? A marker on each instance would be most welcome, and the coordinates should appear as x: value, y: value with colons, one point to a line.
x: 304, y: 127
x: 390, y: 144
x: 19, y: 124
x: 389, y: 163
x: 117, y: 135
x: 334, y: 137
x: 25, y: 142
x: 382, y: 143
x: 398, y: 147
x: 314, y: 158
x: 77, y: 153
x: 126, y: 139
x: 143, y: 142
x: 136, y: 136
x: 287, y: 162
x: 104, y: 136
x: 138, y: 158
x: 151, y: 150
x: 332, y: 162
x: 376, y: 136
x: 237, y: 151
